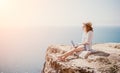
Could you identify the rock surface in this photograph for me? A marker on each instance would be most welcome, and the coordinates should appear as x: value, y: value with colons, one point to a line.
x: 105, y: 60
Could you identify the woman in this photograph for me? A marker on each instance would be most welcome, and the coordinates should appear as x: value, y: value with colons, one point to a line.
x: 86, y: 44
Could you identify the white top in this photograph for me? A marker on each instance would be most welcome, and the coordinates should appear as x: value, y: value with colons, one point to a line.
x: 87, y: 37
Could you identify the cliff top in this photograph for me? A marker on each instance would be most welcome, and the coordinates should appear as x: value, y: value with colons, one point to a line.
x: 107, y: 56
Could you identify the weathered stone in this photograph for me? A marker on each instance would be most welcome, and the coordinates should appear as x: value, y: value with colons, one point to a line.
x: 106, y: 59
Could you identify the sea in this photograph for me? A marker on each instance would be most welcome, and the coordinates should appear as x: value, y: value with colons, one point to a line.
x: 22, y: 50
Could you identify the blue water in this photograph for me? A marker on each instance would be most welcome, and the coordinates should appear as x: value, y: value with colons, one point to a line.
x: 26, y: 55
x: 101, y: 34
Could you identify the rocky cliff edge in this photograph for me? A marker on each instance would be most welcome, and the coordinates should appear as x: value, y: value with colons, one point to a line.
x: 106, y: 60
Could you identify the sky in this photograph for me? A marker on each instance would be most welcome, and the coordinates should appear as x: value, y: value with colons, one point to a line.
x: 38, y: 13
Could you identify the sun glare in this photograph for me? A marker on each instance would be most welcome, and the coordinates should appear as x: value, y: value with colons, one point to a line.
x: 3, y: 3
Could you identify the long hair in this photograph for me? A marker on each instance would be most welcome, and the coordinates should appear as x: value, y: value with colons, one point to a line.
x: 88, y: 26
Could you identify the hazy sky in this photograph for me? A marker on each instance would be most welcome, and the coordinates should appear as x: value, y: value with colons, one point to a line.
x: 25, y: 13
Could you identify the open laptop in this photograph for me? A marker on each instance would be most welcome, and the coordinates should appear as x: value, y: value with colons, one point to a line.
x: 73, y: 44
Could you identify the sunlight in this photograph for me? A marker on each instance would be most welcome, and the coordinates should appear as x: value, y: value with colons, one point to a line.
x: 3, y: 3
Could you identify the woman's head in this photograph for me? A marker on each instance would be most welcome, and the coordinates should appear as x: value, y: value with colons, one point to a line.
x: 87, y: 27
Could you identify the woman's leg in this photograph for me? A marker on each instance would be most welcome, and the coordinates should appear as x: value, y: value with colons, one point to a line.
x: 80, y: 48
